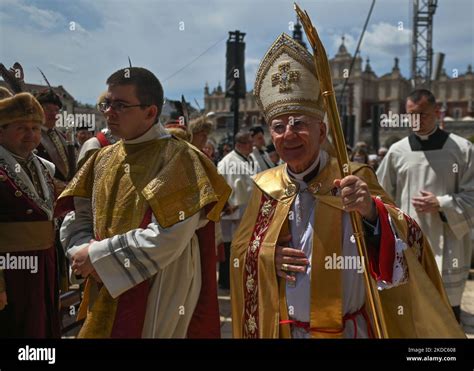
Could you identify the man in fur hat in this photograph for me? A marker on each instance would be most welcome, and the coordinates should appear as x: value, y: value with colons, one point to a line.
x: 200, y: 129
x: 28, y: 285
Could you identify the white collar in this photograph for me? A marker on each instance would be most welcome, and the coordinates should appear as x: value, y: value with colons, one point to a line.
x: 427, y: 136
x: 299, y: 176
x: 157, y: 131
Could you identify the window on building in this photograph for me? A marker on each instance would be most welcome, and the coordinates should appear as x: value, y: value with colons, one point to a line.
x: 457, y: 112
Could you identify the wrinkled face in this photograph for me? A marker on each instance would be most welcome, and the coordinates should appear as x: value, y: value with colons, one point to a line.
x: 21, y: 138
x: 297, y: 139
x: 131, y: 122
x: 50, y: 112
x: 428, y: 114
x: 200, y: 139
x: 259, y: 140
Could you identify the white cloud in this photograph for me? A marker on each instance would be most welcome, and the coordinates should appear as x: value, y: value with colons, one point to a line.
x: 386, y: 38
x: 45, y: 19
x: 62, y: 68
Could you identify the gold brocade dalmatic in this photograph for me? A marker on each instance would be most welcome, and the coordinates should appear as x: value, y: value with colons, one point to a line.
x: 125, y: 180
x: 418, y: 308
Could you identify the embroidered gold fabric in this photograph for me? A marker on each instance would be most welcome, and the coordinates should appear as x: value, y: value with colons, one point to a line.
x: 124, y: 180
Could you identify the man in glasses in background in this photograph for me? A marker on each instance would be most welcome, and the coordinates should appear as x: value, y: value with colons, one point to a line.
x: 138, y: 205
x: 102, y: 139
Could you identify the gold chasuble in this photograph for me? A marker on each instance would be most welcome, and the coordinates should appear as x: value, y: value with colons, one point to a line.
x: 166, y: 176
x: 416, y: 309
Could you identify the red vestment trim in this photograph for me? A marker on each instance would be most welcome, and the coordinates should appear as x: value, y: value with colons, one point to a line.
x: 382, y: 259
x: 205, y: 322
x: 102, y: 139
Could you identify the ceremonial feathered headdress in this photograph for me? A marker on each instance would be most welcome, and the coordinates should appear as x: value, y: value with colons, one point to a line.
x: 14, y: 77
x: 179, y: 119
x: 48, y: 95
x: 200, y: 123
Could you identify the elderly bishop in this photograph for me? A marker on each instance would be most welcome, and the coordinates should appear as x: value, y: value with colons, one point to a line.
x: 296, y: 271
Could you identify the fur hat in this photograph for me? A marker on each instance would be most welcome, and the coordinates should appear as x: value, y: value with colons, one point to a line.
x: 49, y: 96
x: 200, y: 124
x: 21, y: 107
x: 5, y: 93
x: 180, y: 132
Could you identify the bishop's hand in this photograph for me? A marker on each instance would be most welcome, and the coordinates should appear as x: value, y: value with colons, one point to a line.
x: 356, y: 197
x: 288, y: 259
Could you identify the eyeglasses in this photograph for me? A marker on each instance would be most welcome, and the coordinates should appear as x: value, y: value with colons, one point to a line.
x: 117, y: 106
x: 296, y: 126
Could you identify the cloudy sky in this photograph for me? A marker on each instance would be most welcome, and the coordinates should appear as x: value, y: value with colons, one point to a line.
x: 79, y: 43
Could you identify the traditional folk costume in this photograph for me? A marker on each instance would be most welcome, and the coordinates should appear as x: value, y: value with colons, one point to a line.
x: 54, y: 147
x: 143, y: 201
x: 328, y: 300
x: 177, y: 124
x: 27, y: 253
x: 441, y: 163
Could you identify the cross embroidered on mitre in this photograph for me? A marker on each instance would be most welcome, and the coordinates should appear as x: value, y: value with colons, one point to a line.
x: 284, y: 77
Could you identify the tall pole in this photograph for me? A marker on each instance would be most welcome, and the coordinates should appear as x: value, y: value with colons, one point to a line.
x: 235, y: 99
x: 327, y: 90
x: 235, y: 79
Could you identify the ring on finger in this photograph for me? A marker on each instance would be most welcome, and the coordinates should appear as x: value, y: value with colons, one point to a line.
x: 285, y: 267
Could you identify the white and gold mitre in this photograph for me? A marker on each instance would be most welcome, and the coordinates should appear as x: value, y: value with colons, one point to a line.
x: 286, y: 81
